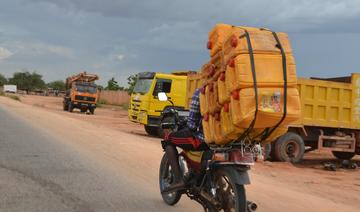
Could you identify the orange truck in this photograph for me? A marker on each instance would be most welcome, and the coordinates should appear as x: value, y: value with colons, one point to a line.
x: 81, y: 93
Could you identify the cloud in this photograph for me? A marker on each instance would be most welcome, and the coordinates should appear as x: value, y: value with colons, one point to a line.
x: 5, y: 53
x: 290, y: 15
x: 120, y: 57
x: 40, y: 48
x: 121, y: 37
x: 188, y: 36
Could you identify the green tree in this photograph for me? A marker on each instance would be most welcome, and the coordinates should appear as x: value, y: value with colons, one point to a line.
x: 57, y: 85
x: 132, y: 79
x: 27, y: 81
x: 100, y: 87
x: 3, y: 80
x: 113, y: 85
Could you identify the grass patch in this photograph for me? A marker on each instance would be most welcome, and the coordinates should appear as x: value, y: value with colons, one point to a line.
x: 98, y: 105
x: 102, y: 102
x: 125, y: 106
x: 14, y: 97
x: 11, y: 96
x: 115, y: 106
x: 39, y: 105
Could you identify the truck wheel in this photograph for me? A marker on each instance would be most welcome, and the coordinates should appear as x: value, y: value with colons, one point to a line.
x: 267, y: 151
x: 289, y: 147
x: 65, y: 107
x: 70, y: 107
x: 150, y: 130
x: 92, y: 110
x: 343, y: 155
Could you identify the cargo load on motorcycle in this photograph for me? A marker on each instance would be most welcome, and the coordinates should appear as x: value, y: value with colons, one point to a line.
x: 248, y: 87
x: 248, y: 96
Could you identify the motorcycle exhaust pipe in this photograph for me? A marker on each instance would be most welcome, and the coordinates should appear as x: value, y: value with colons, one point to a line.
x: 251, y: 206
x: 209, y: 198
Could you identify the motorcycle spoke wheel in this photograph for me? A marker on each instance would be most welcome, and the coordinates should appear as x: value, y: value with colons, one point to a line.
x: 230, y: 195
x: 166, y: 178
x: 226, y: 194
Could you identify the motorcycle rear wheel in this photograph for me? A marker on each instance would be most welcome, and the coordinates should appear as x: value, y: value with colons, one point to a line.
x: 166, y: 178
x: 232, y: 196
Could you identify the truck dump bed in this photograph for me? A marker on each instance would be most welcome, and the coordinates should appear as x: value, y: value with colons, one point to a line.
x: 194, y: 81
x: 81, y: 77
x: 333, y: 102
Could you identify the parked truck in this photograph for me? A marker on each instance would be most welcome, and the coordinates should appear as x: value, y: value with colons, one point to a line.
x: 145, y: 108
x: 330, y: 120
x: 10, y: 88
x: 81, y: 92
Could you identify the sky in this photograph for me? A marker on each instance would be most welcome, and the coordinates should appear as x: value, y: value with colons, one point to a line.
x: 117, y: 38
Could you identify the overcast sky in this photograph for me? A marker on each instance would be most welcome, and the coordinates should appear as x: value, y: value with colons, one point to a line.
x: 116, y: 38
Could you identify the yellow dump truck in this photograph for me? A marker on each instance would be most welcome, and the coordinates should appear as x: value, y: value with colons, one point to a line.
x: 81, y: 92
x: 330, y: 119
x: 146, y: 109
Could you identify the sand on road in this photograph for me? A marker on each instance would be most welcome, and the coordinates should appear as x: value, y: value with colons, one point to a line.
x: 123, y: 147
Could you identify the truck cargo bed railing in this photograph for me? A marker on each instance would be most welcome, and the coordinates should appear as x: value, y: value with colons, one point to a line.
x: 338, y: 143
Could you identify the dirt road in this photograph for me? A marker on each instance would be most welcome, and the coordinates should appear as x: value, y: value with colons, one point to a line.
x: 120, y: 153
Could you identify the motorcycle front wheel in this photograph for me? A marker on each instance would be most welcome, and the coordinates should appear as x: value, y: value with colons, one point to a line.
x: 166, y: 178
x: 232, y: 196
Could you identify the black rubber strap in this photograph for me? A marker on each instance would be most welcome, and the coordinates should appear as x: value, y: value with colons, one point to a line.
x: 267, y: 132
x: 253, y: 70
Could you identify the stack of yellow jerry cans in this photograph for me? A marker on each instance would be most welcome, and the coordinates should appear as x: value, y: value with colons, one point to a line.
x: 249, y: 85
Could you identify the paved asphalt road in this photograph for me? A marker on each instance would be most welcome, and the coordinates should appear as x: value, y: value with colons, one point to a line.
x: 40, y: 173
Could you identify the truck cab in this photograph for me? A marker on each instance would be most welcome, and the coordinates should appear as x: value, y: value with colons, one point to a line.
x: 145, y: 107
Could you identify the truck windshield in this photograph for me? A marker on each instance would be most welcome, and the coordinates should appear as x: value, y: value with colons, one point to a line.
x: 86, y: 88
x: 142, y: 86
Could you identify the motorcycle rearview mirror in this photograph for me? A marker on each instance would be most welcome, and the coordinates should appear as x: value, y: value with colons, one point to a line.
x: 162, y: 96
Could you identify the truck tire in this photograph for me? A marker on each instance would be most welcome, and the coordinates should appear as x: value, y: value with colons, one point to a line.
x: 150, y: 130
x: 289, y: 147
x: 70, y: 107
x: 267, y: 151
x: 92, y: 111
x: 65, y: 106
x: 343, y: 155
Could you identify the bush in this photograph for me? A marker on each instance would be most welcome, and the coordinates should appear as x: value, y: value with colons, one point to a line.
x: 125, y: 106
x: 14, y: 97
x: 102, y: 101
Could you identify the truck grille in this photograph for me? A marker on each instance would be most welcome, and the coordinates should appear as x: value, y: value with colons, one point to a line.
x: 85, y: 98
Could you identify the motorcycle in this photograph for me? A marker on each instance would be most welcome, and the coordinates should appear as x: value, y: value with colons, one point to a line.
x: 215, y: 178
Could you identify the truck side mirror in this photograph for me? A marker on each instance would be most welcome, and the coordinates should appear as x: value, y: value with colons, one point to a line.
x: 162, y: 96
